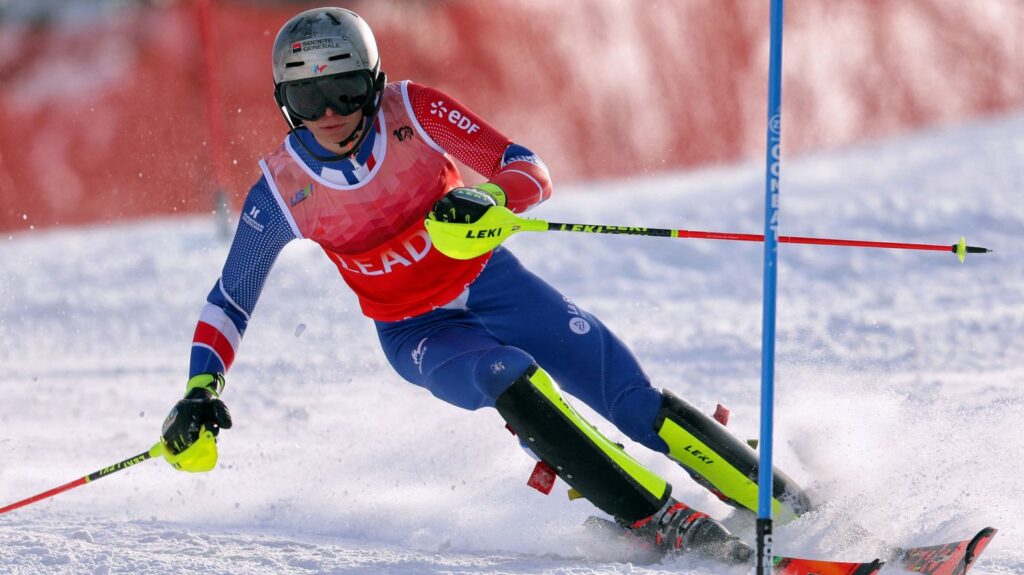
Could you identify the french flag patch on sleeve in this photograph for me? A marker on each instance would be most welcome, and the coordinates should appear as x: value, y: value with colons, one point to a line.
x: 216, y: 333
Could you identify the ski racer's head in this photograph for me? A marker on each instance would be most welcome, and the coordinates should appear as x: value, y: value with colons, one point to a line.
x: 327, y: 78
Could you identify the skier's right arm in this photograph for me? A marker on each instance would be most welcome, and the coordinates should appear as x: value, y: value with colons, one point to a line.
x: 263, y: 231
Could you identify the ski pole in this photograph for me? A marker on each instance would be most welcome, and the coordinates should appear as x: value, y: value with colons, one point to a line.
x: 154, y: 451
x: 498, y: 223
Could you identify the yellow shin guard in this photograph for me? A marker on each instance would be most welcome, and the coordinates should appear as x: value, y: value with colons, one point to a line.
x: 721, y: 462
x: 584, y: 458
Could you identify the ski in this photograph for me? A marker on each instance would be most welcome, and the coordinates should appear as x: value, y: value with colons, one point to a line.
x: 797, y: 566
x: 946, y: 559
x: 611, y: 531
x: 949, y: 559
x: 953, y: 558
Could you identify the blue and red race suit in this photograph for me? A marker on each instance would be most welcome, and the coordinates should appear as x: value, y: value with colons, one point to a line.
x: 463, y: 329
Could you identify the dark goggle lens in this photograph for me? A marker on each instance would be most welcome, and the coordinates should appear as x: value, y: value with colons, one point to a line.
x: 309, y: 99
x: 346, y: 94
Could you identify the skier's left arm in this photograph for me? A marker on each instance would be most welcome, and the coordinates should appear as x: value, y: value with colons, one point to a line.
x: 517, y: 177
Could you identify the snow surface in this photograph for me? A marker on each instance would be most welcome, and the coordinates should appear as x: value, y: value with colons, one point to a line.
x: 899, y: 375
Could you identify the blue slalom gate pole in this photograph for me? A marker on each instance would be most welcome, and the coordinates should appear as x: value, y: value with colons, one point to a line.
x: 771, y: 243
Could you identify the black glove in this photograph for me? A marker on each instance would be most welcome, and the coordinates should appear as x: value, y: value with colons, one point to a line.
x: 201, y: 407
x: 467, y: 205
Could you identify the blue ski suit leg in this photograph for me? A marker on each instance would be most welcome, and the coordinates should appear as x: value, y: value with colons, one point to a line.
x: 512, y: 319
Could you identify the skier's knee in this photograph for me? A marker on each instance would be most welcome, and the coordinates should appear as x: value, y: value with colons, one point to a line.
x: 634, y: 412
x: 499, y: 368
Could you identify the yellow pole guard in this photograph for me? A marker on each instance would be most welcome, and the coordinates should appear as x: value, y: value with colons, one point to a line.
x: 200, y: 457
x: 466, y: 241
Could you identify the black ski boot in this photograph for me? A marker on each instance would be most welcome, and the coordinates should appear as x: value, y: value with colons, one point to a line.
x: 678, y: 529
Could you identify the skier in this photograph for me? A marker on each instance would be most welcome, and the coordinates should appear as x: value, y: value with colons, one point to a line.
x: 364, y: 163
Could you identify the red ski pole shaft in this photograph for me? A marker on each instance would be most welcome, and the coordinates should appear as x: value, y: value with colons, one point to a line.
x: 958, y: 248
x: 153, y: 451
x: 815, y: 241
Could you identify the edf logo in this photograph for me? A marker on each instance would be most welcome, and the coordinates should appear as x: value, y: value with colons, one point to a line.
x: 454, y: 117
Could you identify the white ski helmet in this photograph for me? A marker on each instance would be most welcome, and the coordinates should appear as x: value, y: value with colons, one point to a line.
x: 326, y: 42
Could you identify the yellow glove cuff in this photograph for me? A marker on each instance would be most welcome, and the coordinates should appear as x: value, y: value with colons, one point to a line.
x: 493, y: 190
x: 212, y: 382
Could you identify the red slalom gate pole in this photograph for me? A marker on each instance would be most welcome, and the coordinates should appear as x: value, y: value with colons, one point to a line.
x: 154, y: 451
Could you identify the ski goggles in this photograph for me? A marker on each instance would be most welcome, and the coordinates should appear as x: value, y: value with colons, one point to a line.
x: 309, y: 98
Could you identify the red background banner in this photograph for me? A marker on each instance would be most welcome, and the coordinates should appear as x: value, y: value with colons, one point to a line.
x: 152, y: 110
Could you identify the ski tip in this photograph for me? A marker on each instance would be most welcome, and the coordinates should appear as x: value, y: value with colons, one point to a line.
x: 954, y: 558
x: 978, y: 544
